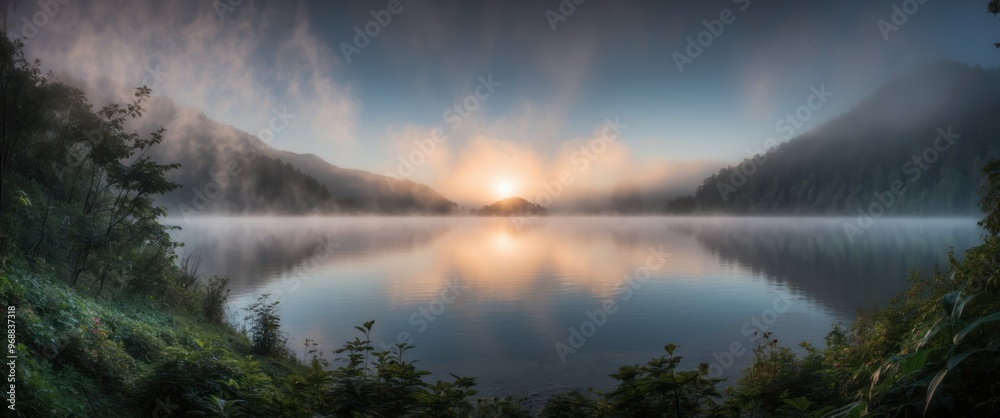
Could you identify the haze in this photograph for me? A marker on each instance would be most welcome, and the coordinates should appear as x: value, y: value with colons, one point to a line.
x: 509, y: 91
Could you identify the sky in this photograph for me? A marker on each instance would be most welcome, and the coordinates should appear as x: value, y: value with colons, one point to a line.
x: 482, y: 99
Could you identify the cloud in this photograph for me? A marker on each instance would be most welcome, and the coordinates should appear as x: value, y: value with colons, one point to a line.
x: 469, y: 165
x: 242, y: 66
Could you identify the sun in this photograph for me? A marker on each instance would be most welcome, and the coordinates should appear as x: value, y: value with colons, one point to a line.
x: 505, y: 189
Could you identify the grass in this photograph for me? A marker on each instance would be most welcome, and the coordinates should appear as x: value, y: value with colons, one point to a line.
x: 82, y: 356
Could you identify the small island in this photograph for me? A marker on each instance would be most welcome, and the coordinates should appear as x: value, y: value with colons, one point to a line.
x: 511, y: 206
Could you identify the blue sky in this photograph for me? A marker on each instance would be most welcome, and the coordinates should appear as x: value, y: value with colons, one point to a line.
x: 239, y: 61
x: 614, y: 58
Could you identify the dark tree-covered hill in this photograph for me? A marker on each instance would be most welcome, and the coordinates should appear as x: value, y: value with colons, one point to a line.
x: 228, y: 171
x: 511, y: 206
x: 915, y: 146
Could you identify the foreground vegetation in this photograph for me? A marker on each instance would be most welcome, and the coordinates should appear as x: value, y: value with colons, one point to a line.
x: 110, y: 321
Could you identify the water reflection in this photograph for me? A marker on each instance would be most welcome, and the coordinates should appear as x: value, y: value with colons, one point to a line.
x: 521, y: 289
x: 815, y: 257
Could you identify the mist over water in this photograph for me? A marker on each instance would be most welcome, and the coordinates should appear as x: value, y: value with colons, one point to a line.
x: 484, y: 297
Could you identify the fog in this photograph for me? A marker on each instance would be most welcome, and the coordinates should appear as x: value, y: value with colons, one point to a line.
x: 514, y: 290
x: 277, y: 72
x: 811, y: 256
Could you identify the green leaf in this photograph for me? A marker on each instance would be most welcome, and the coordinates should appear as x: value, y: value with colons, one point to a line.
x: 932, y: 388
x: 931, y: 332
x: 914, y: 362
x: 949, y: 301
x: 956, y: 359
x: 956, y: 312
x: 969, y: 328
x: 854, y: 409
x: 800, y: 403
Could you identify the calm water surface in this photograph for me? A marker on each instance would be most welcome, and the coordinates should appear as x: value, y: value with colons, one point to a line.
x: 488, y: 298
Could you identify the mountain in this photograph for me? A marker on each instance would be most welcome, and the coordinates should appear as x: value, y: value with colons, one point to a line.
x: 914, y: 146
x: 225, y: 170
x: 511, y: 206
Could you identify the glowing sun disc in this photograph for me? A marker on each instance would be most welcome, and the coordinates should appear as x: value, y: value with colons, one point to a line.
x: 505, y: 189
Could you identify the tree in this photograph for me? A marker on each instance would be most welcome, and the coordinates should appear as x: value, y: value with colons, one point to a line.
x: 83, y: 169
x: 990, y: 202
x: 24, y: 95
x: 994, y: 8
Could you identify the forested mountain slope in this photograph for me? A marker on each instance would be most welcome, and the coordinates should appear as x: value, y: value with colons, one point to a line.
x: 228, y: 171
x: 919, y: 142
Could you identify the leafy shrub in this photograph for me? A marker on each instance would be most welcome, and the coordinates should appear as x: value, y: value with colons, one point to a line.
x: 183, y: 378
x: 215, y: 300
x: 507, y: 407
x: 572, y: 405
x: 659, y: 389
x: 264, y: 330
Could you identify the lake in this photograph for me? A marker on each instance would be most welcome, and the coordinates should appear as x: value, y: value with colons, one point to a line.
x: 558, y: 303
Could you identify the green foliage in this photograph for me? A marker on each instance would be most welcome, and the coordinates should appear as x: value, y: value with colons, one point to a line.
x: 507, y: 407
x: 573, y: 405
x: 221, y: 408
x: 932, y: 352
x: 659, y: 389
x: 215, y: 300
x: 265, y: 327
x: 185, y: 376
x: 990, y: 203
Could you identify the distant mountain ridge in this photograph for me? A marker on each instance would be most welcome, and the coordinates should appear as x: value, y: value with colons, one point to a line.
x: 228, y: 171
x: 922, y: 138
